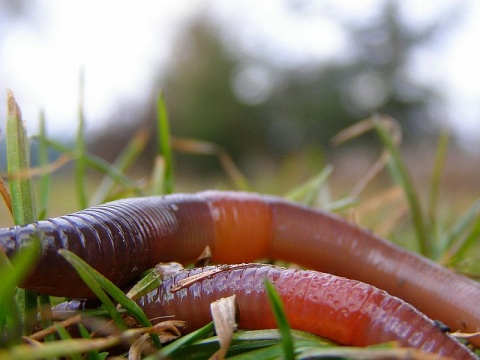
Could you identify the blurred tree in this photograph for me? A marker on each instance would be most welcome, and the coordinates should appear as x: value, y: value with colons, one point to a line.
x: 200, y: 97
x: 250, y: 106
x: 310, y: 105
x: 379, y: 78
x: 200, y: 100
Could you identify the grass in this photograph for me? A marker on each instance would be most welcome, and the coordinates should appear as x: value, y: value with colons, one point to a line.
x: 449, y: 245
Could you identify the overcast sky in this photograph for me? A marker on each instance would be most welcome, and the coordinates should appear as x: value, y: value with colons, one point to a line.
x: 117, y: 50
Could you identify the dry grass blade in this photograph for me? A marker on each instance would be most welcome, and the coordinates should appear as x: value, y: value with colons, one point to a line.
x: 40, y: 335
x: 157, y: 179
x: 139, y: 347
x: 28, y: 173
x: 393, y: 194
x: 361, y: 128
x: 366, y: 125
x: 167, y: 270
x: 224, y: 312
x: 394, y: 217
x: 166, y: 330
x: 198, y: 147
x: 123, y: 161
x: 460, y: 335
x: 6, y: 196
x: 184, y: 283
x: 204, y: 258
x: 40, y: 170
x: 391, y: 199
x: 59, y: 348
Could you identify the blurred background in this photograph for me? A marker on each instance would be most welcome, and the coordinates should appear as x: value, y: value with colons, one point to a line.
x: 270, y: 81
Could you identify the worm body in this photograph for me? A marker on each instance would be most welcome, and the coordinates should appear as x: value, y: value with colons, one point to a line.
x: 123, y: 238
x: 343, y: 310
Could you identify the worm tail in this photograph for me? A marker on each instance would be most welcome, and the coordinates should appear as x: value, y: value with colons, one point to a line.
x: 328, y: 243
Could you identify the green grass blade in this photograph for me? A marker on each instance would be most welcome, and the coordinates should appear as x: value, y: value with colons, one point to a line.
x: 56, y: 348
x: 18, y: 159
x: 438, y: 167
x: 237, y: 177
x: 467, y: 244
x: 28, y: 301
x: 341, y: 204
x: 117, y: 294
x: 171, y: 348
x: 46, y: 179
x: 100, y: 284
x: 456, y: 244
x: 276, y: 351
x: 308, y: 192
x: 165, y: 147
x: 13, y: 273
x: 129, y: 154
x: 464, y: 222
x: 282, y: 322
x: 151, y: 281
x: 10, y: 323
x: 272, y: 352
x: 205, y: 348
x: 80, y: 165
x: 91, y: 279
x: 45, y: 305
x: 65, y: 335
x: 93, y: 354
x: 250, y: 344
x: 373, y: 352
x: 158, y: 176
x: 98, y: 164
x: 402, y: 176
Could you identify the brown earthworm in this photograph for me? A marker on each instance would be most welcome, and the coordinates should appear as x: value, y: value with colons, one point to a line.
x: 123, y: 238
x: 346, y: 311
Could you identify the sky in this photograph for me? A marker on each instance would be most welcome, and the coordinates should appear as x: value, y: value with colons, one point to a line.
x: 43, y: 58
x: 42, y: 63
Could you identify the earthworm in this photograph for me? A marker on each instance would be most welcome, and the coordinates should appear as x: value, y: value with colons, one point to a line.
x: 346, y: 311
x: 123, y: 238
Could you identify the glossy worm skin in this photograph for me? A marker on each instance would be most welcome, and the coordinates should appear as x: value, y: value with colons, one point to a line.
x: 123, y: 238
x: 346, y: 311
